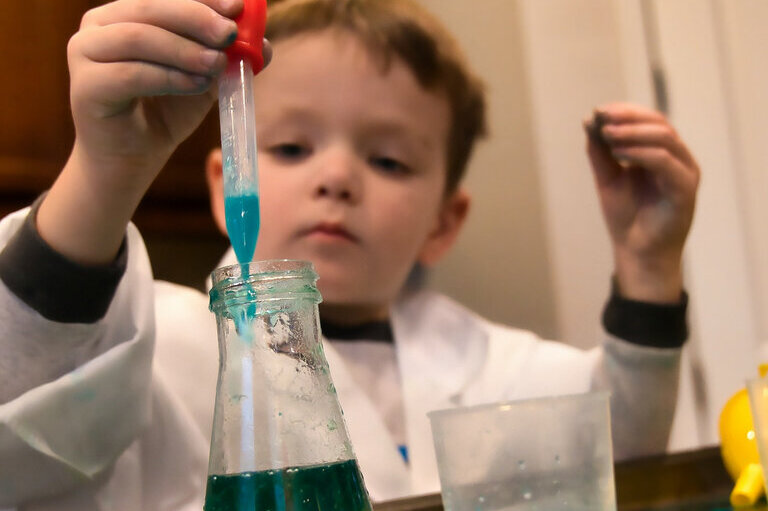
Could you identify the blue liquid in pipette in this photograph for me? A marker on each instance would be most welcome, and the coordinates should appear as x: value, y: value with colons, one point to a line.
x: 243, y: 221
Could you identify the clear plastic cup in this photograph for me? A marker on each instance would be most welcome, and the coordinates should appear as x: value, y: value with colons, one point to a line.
x: 758, y: 401
x: 546, y: 454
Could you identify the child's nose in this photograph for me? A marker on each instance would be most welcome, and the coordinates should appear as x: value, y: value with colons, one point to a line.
x: 339, y: 176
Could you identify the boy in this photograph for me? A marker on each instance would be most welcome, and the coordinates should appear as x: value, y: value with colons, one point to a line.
x: 366, y: 120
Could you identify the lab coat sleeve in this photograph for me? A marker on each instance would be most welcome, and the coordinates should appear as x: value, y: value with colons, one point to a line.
x: 69, y: 431
x: 643, y: 382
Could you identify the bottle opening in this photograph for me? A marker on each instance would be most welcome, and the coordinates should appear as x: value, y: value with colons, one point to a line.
x: 261, y: 282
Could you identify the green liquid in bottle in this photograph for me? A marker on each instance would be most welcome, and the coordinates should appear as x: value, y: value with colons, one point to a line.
x: 332, y: 487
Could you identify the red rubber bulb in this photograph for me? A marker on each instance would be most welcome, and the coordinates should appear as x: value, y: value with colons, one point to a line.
x: 251, y: 24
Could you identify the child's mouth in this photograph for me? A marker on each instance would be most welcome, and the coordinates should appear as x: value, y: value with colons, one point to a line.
x: 331, y: 231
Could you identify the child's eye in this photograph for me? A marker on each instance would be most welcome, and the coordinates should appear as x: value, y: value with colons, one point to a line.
x: 389, y: 165
x: 289, y: 151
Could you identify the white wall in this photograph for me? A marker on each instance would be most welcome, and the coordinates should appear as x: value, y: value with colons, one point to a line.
x: 721, y: 279
x: 573, y: 64
x: 745, y: 41
x: 501, y: 266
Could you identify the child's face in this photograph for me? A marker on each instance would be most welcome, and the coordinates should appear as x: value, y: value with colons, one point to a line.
x: 351, y: 170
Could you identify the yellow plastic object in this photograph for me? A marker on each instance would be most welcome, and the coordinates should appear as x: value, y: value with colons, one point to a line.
x: 739, y: 449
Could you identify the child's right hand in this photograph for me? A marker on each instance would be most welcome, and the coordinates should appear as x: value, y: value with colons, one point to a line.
x: 141, y: 73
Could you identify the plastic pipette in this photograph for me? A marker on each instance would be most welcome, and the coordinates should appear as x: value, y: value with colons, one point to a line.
x: 240, y: 166
x: 238, y: 131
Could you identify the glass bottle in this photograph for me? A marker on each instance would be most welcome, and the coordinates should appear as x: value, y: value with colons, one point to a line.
x: 279, y: 441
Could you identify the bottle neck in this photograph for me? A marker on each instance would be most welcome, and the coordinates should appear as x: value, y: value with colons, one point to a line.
x: 263, y: 286
x: 276, y: 406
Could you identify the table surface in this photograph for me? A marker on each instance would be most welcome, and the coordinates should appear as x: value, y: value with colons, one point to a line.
x: 685, y: 481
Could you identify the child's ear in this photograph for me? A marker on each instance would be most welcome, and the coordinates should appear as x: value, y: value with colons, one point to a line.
x: 215, y: 178
x: 451, y: 218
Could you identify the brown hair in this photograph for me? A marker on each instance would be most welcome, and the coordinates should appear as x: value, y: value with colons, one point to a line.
x: 403, y: 29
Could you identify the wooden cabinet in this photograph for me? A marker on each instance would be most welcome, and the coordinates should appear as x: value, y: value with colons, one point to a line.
x: 36, y: 134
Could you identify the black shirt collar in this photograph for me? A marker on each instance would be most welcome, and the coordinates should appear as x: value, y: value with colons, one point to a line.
x: 371, y: 331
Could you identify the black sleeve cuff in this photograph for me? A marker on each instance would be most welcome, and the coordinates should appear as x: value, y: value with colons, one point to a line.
x: 57, y: 288
x: 646, y: 324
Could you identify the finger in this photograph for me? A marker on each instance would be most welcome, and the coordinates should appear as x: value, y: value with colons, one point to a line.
x: 189, y: 18
x: 114, y: 84
x: 147, y: 43
x: 227, y: 8
x: 266, y: 52
x: 672, y: 176
x: 604, y: 166
x: 628, y: 112
x: 647, y: 134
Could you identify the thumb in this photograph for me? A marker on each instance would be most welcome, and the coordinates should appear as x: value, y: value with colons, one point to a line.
x: 604, y: 165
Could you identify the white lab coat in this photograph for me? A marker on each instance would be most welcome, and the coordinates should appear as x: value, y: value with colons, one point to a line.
x: 129, y: 429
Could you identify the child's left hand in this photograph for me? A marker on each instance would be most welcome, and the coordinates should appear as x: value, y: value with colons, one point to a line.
x: 646, y: 180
